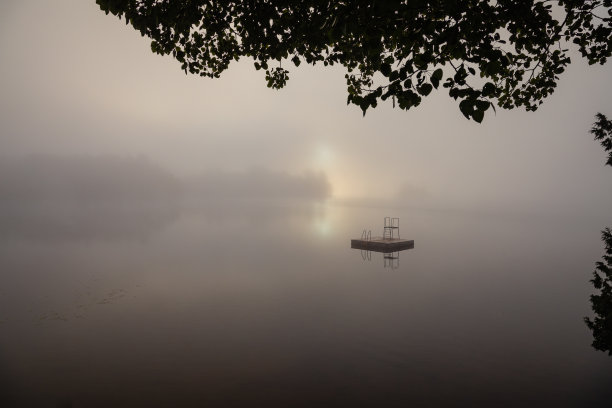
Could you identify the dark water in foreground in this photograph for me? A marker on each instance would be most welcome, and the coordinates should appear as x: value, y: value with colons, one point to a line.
x: 267, y: 305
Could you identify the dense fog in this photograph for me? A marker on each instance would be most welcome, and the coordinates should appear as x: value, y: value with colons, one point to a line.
x: 109, y: 197
x: 77, y: 82
x: 170, y: 240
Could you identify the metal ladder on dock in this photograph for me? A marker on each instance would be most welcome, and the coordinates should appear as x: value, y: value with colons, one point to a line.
x: 391, y: 226
x: 366, y: 235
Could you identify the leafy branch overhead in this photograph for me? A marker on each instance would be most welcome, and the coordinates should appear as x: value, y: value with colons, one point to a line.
x: 505, y: 53
x: 602, y: 130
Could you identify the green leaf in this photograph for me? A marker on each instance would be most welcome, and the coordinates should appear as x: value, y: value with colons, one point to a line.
x: 385, y: 69
x: 488, y: 89
x: 436, y: 77
x: 419, y: 62
x: 435, y: 82
x: 466, y: 108
x: 482, y: 105
x: 425, y: 89
x: 437, y: 74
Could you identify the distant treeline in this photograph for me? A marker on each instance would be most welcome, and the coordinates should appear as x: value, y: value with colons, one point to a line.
x: 88, y: 180
x: 84, y: 180
x: 258, y: 184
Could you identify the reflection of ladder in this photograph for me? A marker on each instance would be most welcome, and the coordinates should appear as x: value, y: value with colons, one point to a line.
x: 391, y: 226
x: 391, y: 260
x: 366, y: 255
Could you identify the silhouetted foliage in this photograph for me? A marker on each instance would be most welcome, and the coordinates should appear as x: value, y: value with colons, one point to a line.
x: 601, y: 324
x: 602, y: 130
x: 507, y: 53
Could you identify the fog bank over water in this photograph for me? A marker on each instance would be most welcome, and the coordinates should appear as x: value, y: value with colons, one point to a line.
x: 258, y: 183
x: 76, y: 197
x: 102, y: 92
x: 95, y: 180
x: 88, y: 180
x: 71, y: 189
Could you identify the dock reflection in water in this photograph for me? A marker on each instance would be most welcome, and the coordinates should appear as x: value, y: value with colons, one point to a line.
x: 390, y: 259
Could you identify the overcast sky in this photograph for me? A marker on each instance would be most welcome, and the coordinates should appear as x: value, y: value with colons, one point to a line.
x: 75, y: 81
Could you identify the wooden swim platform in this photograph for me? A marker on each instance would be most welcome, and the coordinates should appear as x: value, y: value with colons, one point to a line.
x: 379, y: 244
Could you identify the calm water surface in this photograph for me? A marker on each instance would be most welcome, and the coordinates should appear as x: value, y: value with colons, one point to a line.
x: 223, y: 305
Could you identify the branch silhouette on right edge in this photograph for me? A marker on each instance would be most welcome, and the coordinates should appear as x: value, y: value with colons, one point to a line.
x: 601, y: 303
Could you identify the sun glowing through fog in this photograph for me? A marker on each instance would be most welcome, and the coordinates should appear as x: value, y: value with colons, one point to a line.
x: 337, y: 169
x: 324, y: 157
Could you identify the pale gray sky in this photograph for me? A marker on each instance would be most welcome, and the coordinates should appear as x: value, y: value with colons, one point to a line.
x: 75, y: 81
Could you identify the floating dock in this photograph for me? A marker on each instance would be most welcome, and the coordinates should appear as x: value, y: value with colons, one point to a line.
x: 385, y: 245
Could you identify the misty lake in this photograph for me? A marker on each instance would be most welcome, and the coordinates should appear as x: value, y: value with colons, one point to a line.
x: 264, y: 303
